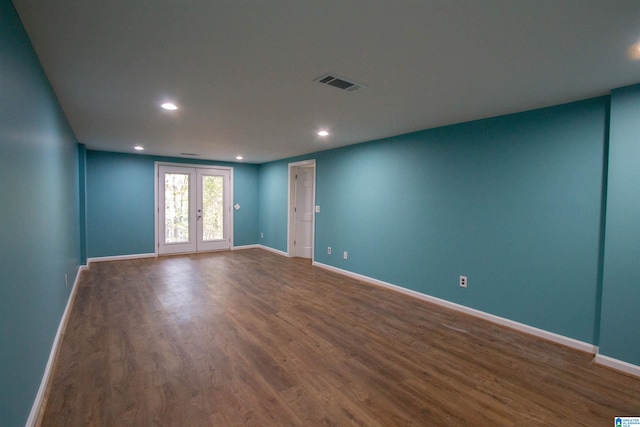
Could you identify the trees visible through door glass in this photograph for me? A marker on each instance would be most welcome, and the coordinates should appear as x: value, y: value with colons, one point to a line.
x: 176, y: 207
x: 212, y: 208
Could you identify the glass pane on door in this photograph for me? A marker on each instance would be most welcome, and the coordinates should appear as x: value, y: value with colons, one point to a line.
x: 176, y: 207
x: 212, y: 208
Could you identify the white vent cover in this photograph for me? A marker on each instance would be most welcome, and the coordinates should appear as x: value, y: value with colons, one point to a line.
x: 338, y: 82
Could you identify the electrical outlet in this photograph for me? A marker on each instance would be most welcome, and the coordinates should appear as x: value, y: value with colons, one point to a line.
x: 329, y: 250
x: 345, y: 255
x: 262, y: 235
x: 318, y: 209
x: 463, y: 281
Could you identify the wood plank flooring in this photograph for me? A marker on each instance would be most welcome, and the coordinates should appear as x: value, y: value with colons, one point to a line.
x: 250, y: 338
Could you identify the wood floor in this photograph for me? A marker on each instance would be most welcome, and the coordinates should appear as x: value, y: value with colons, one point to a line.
x: 250, y: 338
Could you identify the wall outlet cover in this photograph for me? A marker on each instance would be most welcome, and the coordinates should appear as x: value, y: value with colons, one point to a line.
x: 463, y: 281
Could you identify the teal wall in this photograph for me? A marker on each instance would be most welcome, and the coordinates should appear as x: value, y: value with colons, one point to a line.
x: 620, y: 325
x: 120, y: 204
x: 39, y: 217
x: 82, y: 183
x: 512, y: 202
x: 120, y: 201
x: 273, y: 197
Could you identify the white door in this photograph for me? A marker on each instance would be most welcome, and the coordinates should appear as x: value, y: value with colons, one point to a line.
x: 193, y: 209
x: 303, y: 211
x: 213, y: 209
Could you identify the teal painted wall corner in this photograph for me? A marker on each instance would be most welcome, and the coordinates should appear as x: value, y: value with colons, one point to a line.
x: 82, y: 182
x: 273, y: 199
x: 620, y: 317
x: 120, y: 217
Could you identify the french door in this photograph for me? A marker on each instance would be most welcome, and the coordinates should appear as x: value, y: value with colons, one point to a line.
x: 194, y: 209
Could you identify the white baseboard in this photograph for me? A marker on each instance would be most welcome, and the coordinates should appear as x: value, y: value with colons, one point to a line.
x: 243, y: 247
x: 618, y: 365
x: 275, y: 251
x: 120, y: 257
x: 541, y: 333
x: 35, y: 409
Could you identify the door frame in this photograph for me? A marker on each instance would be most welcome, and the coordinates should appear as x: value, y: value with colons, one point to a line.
x: 156, y: 198
x: 291, y: 203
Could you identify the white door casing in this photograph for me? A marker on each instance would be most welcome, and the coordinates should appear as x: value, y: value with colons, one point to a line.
x: 193, y: 211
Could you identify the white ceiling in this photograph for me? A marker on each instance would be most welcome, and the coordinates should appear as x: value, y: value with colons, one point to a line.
x: 242, y: 71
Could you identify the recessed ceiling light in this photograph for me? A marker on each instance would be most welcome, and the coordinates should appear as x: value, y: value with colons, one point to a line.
x: 323, y: 133
x: 169, y: 106
x: 138, y: 147
x: 634, y: 51
x: 239, y: 157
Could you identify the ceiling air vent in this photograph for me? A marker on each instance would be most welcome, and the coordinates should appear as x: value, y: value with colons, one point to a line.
x: 338, y: 82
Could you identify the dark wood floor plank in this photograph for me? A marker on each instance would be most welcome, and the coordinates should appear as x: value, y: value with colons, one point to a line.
x: 250, y: 338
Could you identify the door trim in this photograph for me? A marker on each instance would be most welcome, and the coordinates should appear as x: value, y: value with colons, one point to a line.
x: 156, y: 198
x: 291, y: 206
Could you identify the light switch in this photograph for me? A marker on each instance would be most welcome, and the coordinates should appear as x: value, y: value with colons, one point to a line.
x: 317, y: 209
